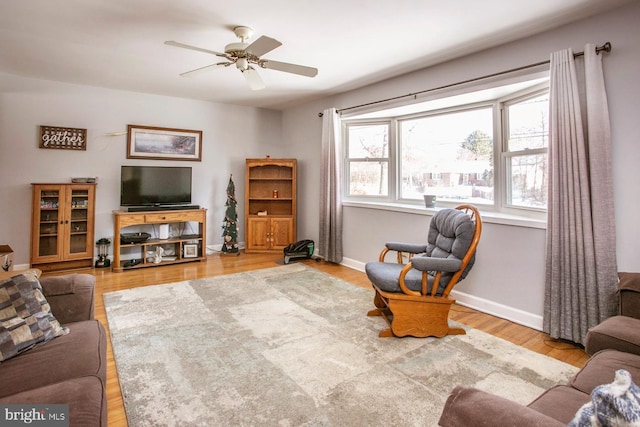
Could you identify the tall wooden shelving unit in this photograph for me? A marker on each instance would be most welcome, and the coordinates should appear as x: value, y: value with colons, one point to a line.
x: 62, y: 226
x: 270, y: 204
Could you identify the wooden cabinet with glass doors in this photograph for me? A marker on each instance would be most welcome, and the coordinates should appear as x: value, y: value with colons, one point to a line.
x: 62, y: 226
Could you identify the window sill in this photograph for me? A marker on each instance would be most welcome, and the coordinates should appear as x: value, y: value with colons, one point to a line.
x: 487, y: 216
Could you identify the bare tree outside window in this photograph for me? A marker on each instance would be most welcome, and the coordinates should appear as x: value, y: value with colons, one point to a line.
x: 527, y: 144
x: 368, y: 152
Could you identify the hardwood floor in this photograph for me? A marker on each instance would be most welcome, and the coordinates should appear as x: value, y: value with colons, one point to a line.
x: 107, y: 281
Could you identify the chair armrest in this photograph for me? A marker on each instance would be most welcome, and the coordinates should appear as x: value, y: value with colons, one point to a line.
x: 468, y: 406
x: 620, y: 333
x: 629, y: 293
x: 412, y: 248
x: 449, y: 265
x: 70, y: 296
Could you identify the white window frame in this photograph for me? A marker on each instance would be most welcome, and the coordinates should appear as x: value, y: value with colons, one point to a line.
x: 500, y: 152
x: 391, y: 169
x: 398, y: 142
x: 506, y: 155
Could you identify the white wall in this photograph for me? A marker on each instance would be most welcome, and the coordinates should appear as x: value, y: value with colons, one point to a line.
x: 508, y: 278
x: 230, y: 134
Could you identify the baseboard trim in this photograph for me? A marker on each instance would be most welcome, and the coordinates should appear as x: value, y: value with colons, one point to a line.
x: 515, y: 315
x: 352, y: 263
x: 17, y: 267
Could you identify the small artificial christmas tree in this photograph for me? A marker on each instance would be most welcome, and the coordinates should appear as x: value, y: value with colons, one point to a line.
x: 230, y: 224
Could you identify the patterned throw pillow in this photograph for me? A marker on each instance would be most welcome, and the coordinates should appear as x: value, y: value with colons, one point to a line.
x: 25, y: 315
x: 615, y: 404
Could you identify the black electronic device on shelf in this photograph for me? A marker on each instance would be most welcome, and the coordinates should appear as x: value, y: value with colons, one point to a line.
x: 133, y: 238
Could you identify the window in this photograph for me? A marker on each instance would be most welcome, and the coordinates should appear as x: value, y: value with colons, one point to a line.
x: 449, y: 155
x: 368, y: 153
x: 492, y: 153
x: 527, y: 130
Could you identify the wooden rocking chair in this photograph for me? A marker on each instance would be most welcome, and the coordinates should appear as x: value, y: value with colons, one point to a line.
x: 413, y: 294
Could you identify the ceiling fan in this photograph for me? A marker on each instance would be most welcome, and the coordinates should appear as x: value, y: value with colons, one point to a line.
x: 245, y: 56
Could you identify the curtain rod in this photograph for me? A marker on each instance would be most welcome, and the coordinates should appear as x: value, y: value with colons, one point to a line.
x: 606, y: 47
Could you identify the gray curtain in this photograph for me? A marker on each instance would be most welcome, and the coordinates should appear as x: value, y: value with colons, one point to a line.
x: 330, y: 242
x: 581, y: 268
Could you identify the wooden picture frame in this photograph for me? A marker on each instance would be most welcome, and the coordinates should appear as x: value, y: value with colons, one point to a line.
x: 156, y: 143
x: 63, y: 138
x: 190, y: 250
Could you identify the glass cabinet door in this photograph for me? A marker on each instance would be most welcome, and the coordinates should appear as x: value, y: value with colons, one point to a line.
x: 50, y: 222
x: 78, y: 223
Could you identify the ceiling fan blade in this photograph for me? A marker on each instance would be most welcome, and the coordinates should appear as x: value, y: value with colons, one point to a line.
x: 290, y: 68
x: 262, y: 45
x: 186, y: 46
x: 253, y: 78
x: 203, y: 70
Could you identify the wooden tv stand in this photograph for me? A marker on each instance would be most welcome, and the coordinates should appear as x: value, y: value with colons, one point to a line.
x: 189, y: 245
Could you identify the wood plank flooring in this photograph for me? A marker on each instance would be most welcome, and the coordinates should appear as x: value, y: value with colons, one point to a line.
x: 107, y: 281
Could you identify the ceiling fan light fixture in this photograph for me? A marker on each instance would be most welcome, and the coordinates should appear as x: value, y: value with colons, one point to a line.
x: 242, y: 64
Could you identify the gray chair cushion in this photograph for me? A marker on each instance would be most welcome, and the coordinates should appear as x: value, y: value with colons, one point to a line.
x: 450, y: 235
x: 385, y: 276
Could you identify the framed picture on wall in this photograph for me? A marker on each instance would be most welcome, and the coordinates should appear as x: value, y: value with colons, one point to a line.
x: 148, y: 142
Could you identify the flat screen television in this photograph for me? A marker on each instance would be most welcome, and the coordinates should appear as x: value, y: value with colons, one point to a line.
x: 155, y: 185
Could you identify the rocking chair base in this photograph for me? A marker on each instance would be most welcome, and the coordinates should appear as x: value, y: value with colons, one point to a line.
x: 407, y: 315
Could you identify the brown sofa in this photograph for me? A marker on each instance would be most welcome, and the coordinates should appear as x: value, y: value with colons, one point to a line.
x: 613, y: 344
x: 70, y: 369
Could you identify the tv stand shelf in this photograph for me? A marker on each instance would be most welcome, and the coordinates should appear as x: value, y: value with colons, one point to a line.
x: 178, y: 249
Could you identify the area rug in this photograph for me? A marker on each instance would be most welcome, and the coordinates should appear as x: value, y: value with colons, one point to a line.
x: 292, y: 346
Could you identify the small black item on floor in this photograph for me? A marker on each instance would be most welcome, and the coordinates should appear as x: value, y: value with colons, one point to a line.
x: 299, y: 250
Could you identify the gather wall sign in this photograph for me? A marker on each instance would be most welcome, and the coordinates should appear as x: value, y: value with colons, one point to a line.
x: 63, y: 138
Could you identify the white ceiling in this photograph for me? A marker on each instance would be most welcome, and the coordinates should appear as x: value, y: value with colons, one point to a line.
x: 120, y: 43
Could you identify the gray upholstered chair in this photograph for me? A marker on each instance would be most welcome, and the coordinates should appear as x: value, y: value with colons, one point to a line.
x: 412, y: 294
